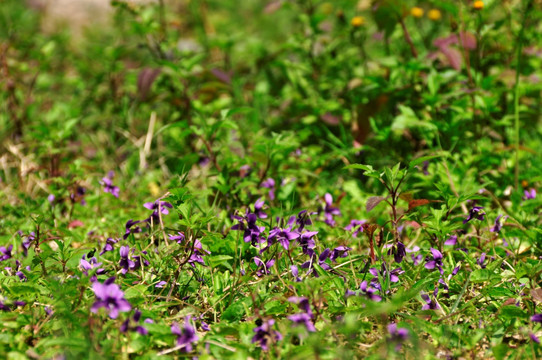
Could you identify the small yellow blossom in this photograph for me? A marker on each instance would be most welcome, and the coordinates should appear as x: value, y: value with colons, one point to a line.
x: 434, y: 14
x: 416, y: 12
x: 357, y: 21
x: 478, y: 5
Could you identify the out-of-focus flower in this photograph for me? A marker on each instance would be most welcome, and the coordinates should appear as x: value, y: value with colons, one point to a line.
x: 109, y: 296
x: 475, y: 213
x: 529, y: 194
x: 108, y: 245
x: 265, y: 334
x: 478, y: 5
x: 130, y: 229
x: 270, y: 184
x: 369, y: 291
x: 125, y: 262
x: 107, y: 183
x: 452, y: 240
x: 434, y: 14
x: 536, y: 318
x: 198, y: 254
x: 498, y: 224
x: 357, y: 21
x: 417, y: 12
x: 88, y: 265
x: 329, y: 210
x: 126, y: 326
x: 258, y: 209
x: 339, y: 252
x: 482, y: 260
x: 534, y: 338
x: 355, y: 226
x: 5, y: 252
x: 397, y: 335
x: 178, y: 238
x: 185, y: 337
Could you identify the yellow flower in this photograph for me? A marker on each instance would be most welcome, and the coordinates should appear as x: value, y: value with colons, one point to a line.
x: 357, y: 21
x: 478, y: 5
x: 434, y: 14
x: 416, y: 12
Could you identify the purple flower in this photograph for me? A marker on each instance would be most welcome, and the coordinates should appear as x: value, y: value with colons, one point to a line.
x: 270, y: 184
x: 178, y: 238
x: 482, y: 260
x: 283, y: 236
x: 108, y: 245
x: 265, y: 334
x: 79, y: 195
x: 529, y: 194
x: 198, y: 254
x: 435, y: 262
x: 6, y: 252
x: 263, y: 268
x: 109, y: 296
x: 258, y: 209
x: 51, y: 199
x: 430, y: 304
x: 125, y: 262
x: 27, y: 241
x: 185, y: 337
x: 126, y: 326
x: 252, y: 232
x: 321, y: 262
x: 329, y: 210
x: 130, y: 230
x: 534, y: 338
x: 295, y: 273
x: 475, y: 213
x: 303, y: 219
x: 157, y: 206
x: 416, y: 259
x: 356, y: 226
x: 452, y: 240
x: 398, y: 251
x: 303, y: 303
x: 107, y: 183
x: 304, y: 319
x: 369, y: 291
x: 498, y: 224
x: 536, y: 318
x: 86, y: 266
x: 394, y: 275
x: 397, y: 335
x: 307, y: 242
x: 339, y: 252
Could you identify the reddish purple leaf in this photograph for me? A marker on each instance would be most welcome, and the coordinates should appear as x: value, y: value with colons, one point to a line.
x: 373, y: 201
x: 453, y: 56
x: 468, y: 40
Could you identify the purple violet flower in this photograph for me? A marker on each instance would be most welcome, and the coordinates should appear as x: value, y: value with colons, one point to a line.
x: 536, y: 318
x: 534, y: 338
x: 355, y: 226
x: 307, y: 242
x: 125, y: 262
x: 303, y: 219
x: 498, y: 224
x: 185, y: 337
x: 482, y: 260
x: 529, y: 194
x: 252, y: 232
x: 430, y: 304
x: 304, y: 319
x: 283, y: 236
x: 339, y: 252
x: 107, y: 183
x: 270, y: 184
x: 369, y: 291
x: 258, y: 209
x: 475, y: 213
x: 130, y: 230
x: 137, y: 328
x: 109, y: 296
x: 295, y: 273
x: 263, y: 268
x: 157, y: 206
x: 108, y: 245
x: 397, y: 335
x: 436, y: 262
x: 452, y: 240
x: 178, y: 238
x: 87, y: 266
x: 398, y: 251
x: 265, y: 334
x: 303, y: 303
x: 6, y: 252
x: 198, y: 254
x: 329, y: 210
